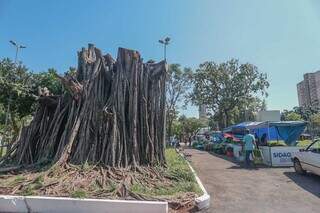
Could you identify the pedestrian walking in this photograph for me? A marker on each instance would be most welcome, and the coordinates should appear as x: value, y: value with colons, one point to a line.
x: 249, y: 145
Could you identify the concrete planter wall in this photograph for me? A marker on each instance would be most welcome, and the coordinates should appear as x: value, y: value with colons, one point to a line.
x: 202, y: 202
x: 63, y: 204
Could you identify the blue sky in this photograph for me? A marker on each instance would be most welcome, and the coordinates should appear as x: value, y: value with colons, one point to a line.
x: 282, y: 37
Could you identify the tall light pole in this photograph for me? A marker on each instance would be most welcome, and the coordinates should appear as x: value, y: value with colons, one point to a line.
x: 165, y: 42
x: 18, y: 47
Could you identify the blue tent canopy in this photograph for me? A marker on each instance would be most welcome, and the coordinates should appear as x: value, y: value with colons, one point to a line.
x: 289, y: 131
x: 241, y: 126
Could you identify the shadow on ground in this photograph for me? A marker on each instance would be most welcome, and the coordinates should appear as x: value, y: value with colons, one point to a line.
x: 238, y: 165
x: 309, y: 182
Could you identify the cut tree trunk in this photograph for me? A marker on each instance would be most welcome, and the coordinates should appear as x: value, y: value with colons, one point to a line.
x: 112, y: 113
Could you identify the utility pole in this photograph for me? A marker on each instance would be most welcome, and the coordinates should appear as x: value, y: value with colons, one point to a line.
x: 165, y: 42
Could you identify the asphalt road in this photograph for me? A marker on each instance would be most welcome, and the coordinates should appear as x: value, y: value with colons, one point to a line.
x: 235, y: 189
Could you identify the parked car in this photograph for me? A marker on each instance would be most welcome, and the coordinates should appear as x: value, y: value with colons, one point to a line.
x: 308, y: 159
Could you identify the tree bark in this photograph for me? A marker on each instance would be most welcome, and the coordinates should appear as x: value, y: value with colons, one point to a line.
x: 112, y: 113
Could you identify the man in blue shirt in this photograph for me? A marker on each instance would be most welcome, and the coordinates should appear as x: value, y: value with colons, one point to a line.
x: 249, y: 145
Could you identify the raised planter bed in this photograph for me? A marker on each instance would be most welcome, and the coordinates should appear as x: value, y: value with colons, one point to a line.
x: 173, y: 186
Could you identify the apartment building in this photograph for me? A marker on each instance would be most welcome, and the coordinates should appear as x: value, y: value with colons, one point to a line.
x: 309, y: 90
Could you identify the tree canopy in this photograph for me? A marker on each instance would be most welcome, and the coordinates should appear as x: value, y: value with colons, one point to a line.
x: 290, y: 116
x: 19, y: 87
x: 227, y: 87
x: 178, y: 82
x: 15, y: 87
x: 310, y: 114
x: 19, y: 92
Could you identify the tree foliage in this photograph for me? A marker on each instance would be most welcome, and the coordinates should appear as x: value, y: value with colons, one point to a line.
x: 15, y: 87
x: 19, y: 87
x: 190, y: 125
x: 290, y: 116
x: 184, y: 127
x: 178, y: 82
x: 228, y: 87
x: 310, y: 114
x: 49, y: 80
x: 19, y: 92
x: 315, y: 118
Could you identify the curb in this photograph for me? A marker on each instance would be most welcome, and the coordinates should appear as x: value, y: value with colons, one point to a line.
x: 66, y: 204
x: 202, y: 202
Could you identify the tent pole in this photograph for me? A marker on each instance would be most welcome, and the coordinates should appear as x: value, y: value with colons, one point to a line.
x: 269, y: 146
x: 268, y: 130
x: 270, y: 155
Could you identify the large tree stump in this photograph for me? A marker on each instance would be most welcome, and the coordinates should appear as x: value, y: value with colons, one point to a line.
x: 112, y: 113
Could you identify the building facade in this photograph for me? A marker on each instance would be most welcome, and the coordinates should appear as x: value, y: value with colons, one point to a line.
x: 268, y: 115
x: 309, y: 90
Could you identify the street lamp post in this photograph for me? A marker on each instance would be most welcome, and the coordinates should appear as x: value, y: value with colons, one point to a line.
x: 165, y: 42
x: 18, y: 47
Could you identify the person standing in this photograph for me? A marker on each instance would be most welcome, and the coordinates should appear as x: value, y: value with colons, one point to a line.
x: 249, y: 145
x: 264, y: 139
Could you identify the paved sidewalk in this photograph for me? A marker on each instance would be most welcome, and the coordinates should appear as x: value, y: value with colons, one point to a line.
x: 235, y: 189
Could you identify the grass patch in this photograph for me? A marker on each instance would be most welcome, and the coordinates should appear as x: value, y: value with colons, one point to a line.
x: 39, y: 179
x: 79, y: 193
x: 182, y: 177
x: 31, y: 189
x: 18, y: 179
x: 178, y: 167
x: 172, y: 190
x: 28, y: 191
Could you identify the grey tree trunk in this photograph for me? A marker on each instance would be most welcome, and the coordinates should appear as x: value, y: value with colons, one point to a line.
x: 112, y: 113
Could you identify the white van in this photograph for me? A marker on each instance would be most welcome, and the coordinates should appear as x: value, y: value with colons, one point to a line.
x: 308, y: 159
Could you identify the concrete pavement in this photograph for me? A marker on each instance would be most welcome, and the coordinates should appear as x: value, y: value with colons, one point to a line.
x: 235, y: 189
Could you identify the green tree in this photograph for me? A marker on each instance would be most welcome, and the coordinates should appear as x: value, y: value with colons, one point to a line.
x: 315, y: 118
x: 178, y: 82
x: 306, y: 112
x: 177, y: 129
x: 19, y: 87
x: 213, y: 123
x: 315, y: 123
x: 15, y: 87
x: 263, y: 105
x: 291, y: 116
x: 47, y: 79
x: 15, y: 98
x: 227, y: 87
x: 247, y: 111
x: 310, y: 114
x: 190, y: 126
x: 19, y: 91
